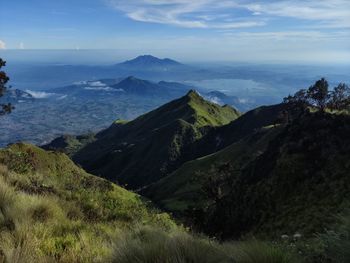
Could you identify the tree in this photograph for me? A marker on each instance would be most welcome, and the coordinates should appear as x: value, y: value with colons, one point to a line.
x: 340, y: 97
x: 296, y: 105
x: 318, y: 94
x: 299, y: 99
x: 4, y: 108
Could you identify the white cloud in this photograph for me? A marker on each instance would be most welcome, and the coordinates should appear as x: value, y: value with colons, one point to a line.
x: 40, y: 94
x: 21, y: 45
x: 96, y: 84
x: 182, y: 13
x: 2, y: 44
x: 330, y: 13
x: 214, y: 100
x: 100, y: 88
x: 211, y: 13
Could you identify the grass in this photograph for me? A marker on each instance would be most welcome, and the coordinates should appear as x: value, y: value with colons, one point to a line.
x: 157, y: 246
x: 52, y: 211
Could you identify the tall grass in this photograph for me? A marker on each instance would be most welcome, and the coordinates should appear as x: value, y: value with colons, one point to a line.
x: 51, y: 228
x: 259, y: 252
x: 77, y: 218
x: 149, y: 245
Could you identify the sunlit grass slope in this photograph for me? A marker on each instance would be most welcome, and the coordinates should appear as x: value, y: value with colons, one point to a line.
x: 52, y: 210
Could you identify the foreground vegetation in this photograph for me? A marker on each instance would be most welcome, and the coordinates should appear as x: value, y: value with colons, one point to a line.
x: 52, y: 211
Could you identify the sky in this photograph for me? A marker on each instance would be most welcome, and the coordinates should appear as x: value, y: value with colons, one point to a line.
x: 314, y: 31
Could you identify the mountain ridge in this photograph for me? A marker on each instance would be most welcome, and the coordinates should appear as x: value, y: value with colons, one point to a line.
x: 159, y: 140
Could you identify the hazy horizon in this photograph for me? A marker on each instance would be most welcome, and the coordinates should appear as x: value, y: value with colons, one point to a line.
x: 114, y: 56
x: 287, y: 31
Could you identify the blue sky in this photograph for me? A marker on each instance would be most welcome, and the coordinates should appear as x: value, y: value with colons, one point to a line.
x: 221, y: 30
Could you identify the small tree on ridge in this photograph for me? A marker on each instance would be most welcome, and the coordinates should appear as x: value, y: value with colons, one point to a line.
x: 4, y: 107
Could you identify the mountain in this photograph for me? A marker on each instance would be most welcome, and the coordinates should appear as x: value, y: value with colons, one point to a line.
x: 246, y: 124
x: 129, y: 86
x: 182, y: 190
x: 83, y: 107
x: 242, y: 138
x: 53, y: 211
x: 69, y: 144
x: 274, y: 180
x: 139, y: 87
x: 144, y: 150
x: 297, y: 185
x: 150, y: 62
x: 132, y: 86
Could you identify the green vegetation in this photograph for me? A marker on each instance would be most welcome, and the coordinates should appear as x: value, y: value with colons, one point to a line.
x: 51, y: 210
x: 70, y: 144
x: 282, y: 170
x: 146, y: 149
x: 156, y: 246
x: 182, y: 190
x: 319, y: 96
x: 296, y: 185
x: 5, y: 108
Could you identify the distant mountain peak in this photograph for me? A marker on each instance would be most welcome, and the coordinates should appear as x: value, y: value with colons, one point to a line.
x: 132, y: 80
x: 151, y: 61
x: 144, y: 57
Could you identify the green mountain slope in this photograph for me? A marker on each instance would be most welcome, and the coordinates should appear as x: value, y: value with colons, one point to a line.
x: 297, y: 185
x: 69, y: 144
x: 52, y: 210
x: 270, y: 180
x: 238, y: 141
x: 246, y: 124
x: 182, y: 189
x: 144, y: 150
